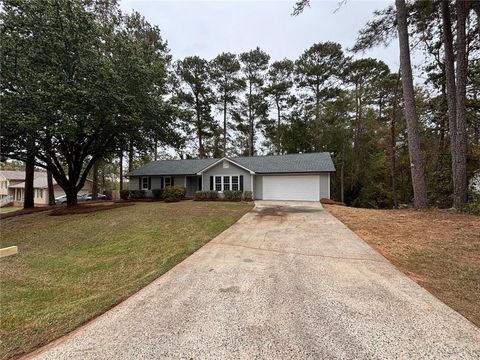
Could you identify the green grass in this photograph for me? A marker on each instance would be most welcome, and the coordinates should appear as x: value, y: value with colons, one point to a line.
x: 72, y: 268
x: 9, y: 209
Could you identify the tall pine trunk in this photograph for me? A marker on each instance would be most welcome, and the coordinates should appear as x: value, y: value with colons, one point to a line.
x: 279, y: 124
x: 251, y: 146
x: 393, y: 140
x: 131, y: 154
x: 50, y: 190
x: 450, y: 84
x: 460, y: 175
x: 224, y: 124
x: 415, y: 153
x: 121, y: 169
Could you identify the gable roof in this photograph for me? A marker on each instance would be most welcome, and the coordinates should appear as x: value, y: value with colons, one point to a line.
x: 172, y: 167
x: 292, y: 163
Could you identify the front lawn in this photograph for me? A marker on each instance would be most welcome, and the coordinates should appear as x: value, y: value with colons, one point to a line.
x: 7, y: 209
x: 72, y: 268
x: 437, y: 249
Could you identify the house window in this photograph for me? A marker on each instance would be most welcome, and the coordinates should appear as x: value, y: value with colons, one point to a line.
x: 218, y: 183
x: 168, y: 181
x: 234, y: 182
x: 226, y: 183
x: 39, y: 193
x: 144, y: 183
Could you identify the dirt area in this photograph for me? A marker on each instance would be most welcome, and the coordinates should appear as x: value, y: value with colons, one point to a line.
x: 437, y: 249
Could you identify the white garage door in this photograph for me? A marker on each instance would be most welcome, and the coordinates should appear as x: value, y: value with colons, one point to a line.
x: 295, y: 187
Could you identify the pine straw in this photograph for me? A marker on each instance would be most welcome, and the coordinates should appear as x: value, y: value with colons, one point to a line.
x: 437, y: 249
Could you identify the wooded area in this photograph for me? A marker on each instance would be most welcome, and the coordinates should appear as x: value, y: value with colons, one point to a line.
x: 85, y: 86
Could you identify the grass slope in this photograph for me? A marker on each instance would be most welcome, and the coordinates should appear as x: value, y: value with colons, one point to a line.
x: 71, y: 268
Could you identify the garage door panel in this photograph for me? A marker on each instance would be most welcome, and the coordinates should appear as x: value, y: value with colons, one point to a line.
x: 301, y: 187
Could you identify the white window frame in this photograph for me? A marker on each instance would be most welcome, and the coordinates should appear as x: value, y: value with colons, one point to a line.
x: 143, y: 187
x: 222, y: 183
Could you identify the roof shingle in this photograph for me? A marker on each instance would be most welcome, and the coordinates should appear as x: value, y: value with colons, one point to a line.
x: 268, y: 164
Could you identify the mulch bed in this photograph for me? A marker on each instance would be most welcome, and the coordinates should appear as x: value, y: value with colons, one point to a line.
x: 87, y: 208
x: 331, y: 202
x: 21, y: 211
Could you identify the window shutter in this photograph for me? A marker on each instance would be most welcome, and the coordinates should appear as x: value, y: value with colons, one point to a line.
x: 172, y: 181
x: 149, y: 183
x: 199, y: 183
x: 140, y: 180
x: 211, y: 182
x: 241, y: 182
x: 162, y: 182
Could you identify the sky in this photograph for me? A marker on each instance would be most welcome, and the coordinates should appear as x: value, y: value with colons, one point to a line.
x: 207, y: 28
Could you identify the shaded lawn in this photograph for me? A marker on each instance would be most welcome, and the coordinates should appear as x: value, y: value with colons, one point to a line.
x: 71, y: 268
x: 7, y: 209
x: 437, y: 249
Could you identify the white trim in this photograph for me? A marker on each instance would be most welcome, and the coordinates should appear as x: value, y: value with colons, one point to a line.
x: 222, y: 184
x: 222, y: 159
x: 329, y: 195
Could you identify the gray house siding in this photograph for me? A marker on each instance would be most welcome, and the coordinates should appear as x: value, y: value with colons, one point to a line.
x: 325, y: 185
x: 258, y: 181
x: 232, y: 169
x: 133, y: 183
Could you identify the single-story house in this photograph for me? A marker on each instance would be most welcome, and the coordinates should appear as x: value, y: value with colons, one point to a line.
x: 273, y: 177
x: 12, y: 187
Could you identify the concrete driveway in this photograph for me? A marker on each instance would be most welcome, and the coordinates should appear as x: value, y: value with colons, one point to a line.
x: 288, y: 281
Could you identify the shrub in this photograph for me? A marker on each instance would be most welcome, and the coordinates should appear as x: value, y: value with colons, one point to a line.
x: 174, y: 193
x: 158, y: 193
x: 136, y: 194
x: 473, y: 204
x: 206, y: 195
x: 247, y: 196
x: 124, y: 194
x: 233, y: 195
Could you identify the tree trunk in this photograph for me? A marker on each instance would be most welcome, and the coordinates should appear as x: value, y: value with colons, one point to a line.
x: 95, y: 181
x: 155, y: 145
x: 393, y: 141
x: 416, y: 158
x: 51, y: 191
x: 131, y: 154
x: 279, y: 123
x: 460, y: 176
x: 250, y: 123
x: 450, y: 85
x: 71, y: 193
x: 224, y: 125
x: 121, y: 169
x: 28, y: 202
x: 198, y: 109
x: 342, y: 175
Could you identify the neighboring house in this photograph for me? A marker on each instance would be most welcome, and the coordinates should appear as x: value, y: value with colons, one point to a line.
x: 274, y: 177
x: 12, y: 187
